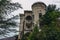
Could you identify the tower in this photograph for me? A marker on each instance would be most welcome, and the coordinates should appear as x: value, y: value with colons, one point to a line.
x: 38, y: 9
x: 30, y: 18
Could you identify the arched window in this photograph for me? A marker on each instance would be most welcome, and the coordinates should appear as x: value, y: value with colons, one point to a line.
x: 40, y: 15
x: 28, y: 18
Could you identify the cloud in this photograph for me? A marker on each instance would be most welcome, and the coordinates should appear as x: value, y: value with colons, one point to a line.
x: 26, y: 4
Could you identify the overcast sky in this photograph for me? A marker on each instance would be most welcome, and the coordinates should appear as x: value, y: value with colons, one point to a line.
x: 26, y: 4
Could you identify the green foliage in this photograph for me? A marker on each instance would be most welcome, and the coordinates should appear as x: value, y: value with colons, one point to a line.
x: 51, y: 32
x: 34, y: 34
x: 25, y: 36
x: 6, y: 7
x: 51, y: 8
x: 51, y: 15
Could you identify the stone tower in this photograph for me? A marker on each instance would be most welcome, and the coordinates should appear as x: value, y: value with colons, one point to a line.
x: 30, y: 18
x: 38, y: 9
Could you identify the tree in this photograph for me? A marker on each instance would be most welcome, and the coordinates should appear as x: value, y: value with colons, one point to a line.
x: 50, y: 30
x: 51, y: 15
x: 25, y: 36
x: 6, y: 7
x: 34, y: 34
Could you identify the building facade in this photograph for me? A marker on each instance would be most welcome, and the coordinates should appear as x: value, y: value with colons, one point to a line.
x: 30, y: 18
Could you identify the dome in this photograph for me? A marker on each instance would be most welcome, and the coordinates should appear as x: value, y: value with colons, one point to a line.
x: 39, y: 3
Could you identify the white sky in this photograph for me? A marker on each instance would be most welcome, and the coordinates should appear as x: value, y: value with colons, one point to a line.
x: 26, y: 4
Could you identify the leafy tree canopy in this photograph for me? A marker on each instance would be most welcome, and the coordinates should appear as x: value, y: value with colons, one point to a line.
x: 6, y: 7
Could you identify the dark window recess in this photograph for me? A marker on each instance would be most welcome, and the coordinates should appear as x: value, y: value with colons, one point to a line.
x: 28, y: 25
x: 41, y: 24
x: 40, y: 15
x: 28, y: 18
